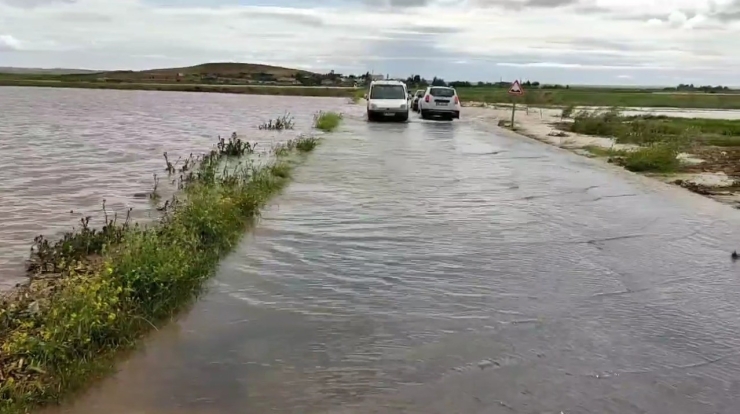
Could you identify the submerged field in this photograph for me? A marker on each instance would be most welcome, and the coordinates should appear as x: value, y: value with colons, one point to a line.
x: 79, y: 147
x: 151, y: 217
x: 95, y: 291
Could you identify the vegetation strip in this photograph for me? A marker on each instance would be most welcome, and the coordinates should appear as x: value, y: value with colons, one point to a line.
x: 602, y: 97
x: 657, y: 141
x: 95, y: 292
x: 281, y: 90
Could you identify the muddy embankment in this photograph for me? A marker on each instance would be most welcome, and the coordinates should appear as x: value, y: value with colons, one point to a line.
x: 698, y: 150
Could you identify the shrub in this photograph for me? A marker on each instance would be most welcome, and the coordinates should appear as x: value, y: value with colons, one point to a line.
x: 327, y: 121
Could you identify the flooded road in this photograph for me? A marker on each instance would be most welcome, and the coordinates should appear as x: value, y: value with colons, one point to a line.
x: 435, y: 267
x: 68, y: 149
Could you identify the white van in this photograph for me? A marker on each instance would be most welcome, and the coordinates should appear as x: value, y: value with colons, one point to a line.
x: 387, y: 99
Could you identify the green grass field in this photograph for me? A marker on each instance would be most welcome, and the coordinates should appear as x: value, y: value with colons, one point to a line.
x: 660, y: 140
x: 582, y: 96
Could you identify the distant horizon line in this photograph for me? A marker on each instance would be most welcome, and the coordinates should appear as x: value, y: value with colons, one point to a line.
x: 608, y: 85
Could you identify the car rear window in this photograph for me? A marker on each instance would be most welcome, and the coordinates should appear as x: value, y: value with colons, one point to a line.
x: 420, y: 93
x: 442, y: 92
x: 387, y: 92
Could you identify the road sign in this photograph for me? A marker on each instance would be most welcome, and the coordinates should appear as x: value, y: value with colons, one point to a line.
x: 516, y: 88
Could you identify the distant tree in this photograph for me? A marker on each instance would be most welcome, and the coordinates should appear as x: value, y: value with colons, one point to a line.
x: 438, y: 82
x: 459, y: 84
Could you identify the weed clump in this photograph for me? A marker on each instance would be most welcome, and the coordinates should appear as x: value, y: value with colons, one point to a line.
x: 94, y: 292
x: 278, y: 124
x: 357, y: 96
x: 661, y: 158
x: 302, y: 145
x: 234, y: 146
x: 327, y: 121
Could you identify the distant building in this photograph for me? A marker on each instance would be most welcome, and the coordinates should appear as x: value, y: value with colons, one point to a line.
x: 377, y: 77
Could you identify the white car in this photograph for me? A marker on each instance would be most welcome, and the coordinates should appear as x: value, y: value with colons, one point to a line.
x: 387, y: 99
x: 440, y: 101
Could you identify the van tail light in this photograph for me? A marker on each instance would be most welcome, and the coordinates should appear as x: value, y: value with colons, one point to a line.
x: 426, y: 98
x: 457, y: 101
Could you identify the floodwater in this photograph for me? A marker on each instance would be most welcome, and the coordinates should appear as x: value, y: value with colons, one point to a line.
x: 435, y: 267
x: 64, y: 151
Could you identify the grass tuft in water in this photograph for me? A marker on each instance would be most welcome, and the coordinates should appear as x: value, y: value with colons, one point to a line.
x: 327, y: 121
x: 357, y: 96
x: 278, y: 124
x: 95, y: 292
x: 234, y: 146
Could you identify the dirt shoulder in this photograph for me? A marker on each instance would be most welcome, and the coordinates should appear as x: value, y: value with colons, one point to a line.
x: 696, y: 150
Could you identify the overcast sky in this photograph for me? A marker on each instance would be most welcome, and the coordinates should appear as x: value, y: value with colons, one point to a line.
x: 644, y: 42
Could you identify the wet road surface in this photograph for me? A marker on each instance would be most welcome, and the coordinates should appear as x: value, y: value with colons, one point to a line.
x: 436, y: 267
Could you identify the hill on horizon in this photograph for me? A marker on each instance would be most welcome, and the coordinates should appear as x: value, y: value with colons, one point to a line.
x: 217, y: 69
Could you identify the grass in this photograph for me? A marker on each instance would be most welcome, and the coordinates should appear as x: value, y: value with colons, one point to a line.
x: 95, y: 292
x: 357, y: 96
x: 661, y: 138
x: 234, y: 146
x: 661, y: 157
x: 327, y: 121
x: 279, y: 124
x: 649, y: 129
x: 604, y: 97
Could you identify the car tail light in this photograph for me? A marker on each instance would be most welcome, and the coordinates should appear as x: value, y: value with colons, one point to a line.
x: 457, y: 101
x: 426, y: 98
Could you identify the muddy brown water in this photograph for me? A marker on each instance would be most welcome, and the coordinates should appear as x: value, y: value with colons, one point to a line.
x: 65, y: 150
x: 436, y: 267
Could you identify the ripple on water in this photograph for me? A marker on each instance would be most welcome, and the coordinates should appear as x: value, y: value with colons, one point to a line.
x: 68, y: 149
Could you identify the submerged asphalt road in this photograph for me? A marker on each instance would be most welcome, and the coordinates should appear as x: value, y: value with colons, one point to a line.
x: 441, y: 268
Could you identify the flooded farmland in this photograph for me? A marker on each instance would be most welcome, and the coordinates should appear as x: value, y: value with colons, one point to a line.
x: 433, y: 267
x: 63, y: 151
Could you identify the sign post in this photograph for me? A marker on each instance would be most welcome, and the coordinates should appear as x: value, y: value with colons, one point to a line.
x: 515, y: 90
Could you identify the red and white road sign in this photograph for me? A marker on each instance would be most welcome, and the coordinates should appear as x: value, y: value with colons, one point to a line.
x: 516, y: 88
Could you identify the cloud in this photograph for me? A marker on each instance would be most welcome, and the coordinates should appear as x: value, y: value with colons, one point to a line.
x: 8, y: 42
x: 33, y: 3
x: 567, y: 41
x: 398, y: 3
